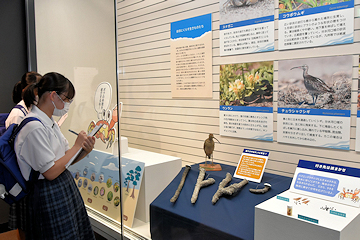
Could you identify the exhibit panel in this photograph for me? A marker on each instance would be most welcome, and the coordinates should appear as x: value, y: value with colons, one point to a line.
x: 322, y: 203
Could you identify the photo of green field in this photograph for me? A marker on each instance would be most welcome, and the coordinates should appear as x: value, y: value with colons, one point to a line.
x: 247, y: 84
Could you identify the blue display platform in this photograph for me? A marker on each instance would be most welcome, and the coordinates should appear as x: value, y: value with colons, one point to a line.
x: 232, y: 217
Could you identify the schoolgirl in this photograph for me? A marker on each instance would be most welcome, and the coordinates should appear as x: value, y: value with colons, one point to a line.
x: 55, y: 209
x: 17, y: 114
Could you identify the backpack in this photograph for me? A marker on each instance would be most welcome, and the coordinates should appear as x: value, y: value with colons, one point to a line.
x: 4, y: 116
x: 13, y: 186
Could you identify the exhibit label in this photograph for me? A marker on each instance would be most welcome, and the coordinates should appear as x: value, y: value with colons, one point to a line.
x: 252, y: 165
x: 314, y: 101
x: 246, y: 100
x: 328, y: 182
x: 191, y: 58
x: 246, y: 27
x: 325, y: 25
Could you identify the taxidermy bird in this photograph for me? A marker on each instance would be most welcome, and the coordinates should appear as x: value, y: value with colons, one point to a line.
x: 314, y: 85
x: 209, y: 146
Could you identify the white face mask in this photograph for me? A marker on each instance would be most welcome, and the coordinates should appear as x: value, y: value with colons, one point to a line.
x: 60, y: 112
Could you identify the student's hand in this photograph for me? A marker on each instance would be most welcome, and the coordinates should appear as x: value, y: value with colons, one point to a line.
x: 82, y: 136
x: 88, y: 144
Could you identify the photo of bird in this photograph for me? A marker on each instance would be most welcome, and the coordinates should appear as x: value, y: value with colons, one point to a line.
x: 314, y: 85
x: 209, y: 146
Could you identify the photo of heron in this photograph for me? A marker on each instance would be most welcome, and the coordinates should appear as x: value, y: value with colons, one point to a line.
x: 321, y: 83
x: 247, y: 84
x: 295, y: 5
x: 240, y: 10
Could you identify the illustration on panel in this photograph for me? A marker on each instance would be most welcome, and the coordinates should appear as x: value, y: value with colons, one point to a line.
x: 107, y: 133
x: 97, y: 177
x: 319, y: 83
x: 247, y: 84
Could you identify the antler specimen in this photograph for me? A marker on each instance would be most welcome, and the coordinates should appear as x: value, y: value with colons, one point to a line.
x: 230, y: 190
x: 201, y: 183
x: 181, y: 184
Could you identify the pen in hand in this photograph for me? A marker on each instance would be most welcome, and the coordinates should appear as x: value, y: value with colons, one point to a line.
x: 73, y: 132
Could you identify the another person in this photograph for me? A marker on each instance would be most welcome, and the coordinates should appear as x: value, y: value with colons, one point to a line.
x: 17, y: 115
x: 55, y: 209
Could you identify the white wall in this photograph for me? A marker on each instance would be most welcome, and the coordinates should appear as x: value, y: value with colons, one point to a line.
x: 153, y: 121
x: 77, y: 39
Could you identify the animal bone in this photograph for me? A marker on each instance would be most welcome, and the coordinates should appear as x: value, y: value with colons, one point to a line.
x: 230, y: 190
x: 201, y: 183
x: 263, y: 190
x: 181, y: 184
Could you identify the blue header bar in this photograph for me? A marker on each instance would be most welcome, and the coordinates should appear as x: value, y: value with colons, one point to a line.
x: 347, y: 171
x: 247, y: 22
x: 256, y: 152
x: 316, y: 10
x: 320, y: 112
x: 191, y: 27
x: 246, y: 109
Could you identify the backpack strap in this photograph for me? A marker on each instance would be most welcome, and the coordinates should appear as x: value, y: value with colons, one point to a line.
x: 34, y: 175
x: 17, y: 129
x: 21, y: 108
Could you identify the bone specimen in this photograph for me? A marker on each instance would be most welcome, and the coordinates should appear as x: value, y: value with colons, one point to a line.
x: 230, y: 190
x: 201, y: 183
x: 263, y: 190
x: 176, y: 195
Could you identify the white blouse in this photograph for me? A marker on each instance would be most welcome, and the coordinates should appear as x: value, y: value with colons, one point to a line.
x: 39, y: 144
x: 16, y: 115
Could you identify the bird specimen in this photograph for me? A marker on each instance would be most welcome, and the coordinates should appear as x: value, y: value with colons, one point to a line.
x: 209, y: 146
x: 314, y: 85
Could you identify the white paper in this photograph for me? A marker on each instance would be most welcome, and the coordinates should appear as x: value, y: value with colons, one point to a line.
x: 92, y: 133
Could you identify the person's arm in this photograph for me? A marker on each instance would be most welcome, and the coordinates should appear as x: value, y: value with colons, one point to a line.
x: 82, y: 141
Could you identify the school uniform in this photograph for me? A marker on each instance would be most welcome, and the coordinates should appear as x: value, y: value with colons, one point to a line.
x: 55, y: 208
x: 16, y: 115
x: 17, y: 210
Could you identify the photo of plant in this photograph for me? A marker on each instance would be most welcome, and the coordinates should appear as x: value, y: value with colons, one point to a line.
x: 319, y: 83
x: 247, y: 84
x: 294, y: 5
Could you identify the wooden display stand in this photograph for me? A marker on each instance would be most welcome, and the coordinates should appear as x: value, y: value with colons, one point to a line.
x: 211, y: 167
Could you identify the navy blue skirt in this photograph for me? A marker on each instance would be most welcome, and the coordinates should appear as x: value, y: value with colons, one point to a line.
x: 55, y: 210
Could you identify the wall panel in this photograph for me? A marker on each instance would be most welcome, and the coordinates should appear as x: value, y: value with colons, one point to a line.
x: 154, y: 121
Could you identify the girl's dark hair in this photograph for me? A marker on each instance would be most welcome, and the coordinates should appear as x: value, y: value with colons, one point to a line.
x: 49, y: 82
x: 27, y: 79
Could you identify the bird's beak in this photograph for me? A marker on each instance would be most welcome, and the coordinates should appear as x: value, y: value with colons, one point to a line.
x: 216, y: 139
x: 295, y: 67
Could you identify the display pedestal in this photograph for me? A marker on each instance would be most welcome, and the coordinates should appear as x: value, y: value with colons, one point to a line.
x: 311, y: 218
x: 160, y: 170
x: 231, y: 218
